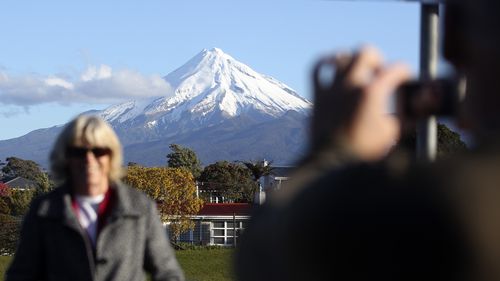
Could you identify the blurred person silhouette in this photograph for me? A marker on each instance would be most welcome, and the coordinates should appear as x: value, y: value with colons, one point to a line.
x: 92, y: 227
x: 355, y: 212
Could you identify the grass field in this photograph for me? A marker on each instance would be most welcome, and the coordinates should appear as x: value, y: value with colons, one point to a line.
x: 4, y: 262
x: 207, y: 264
x: 198, y: 265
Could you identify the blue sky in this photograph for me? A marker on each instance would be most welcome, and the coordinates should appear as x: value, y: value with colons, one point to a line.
x: 53, y: 42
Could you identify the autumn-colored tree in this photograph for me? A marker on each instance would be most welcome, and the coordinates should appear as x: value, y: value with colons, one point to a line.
x: 4, y: 199
x: 173, y: 189
x: 4, y: 190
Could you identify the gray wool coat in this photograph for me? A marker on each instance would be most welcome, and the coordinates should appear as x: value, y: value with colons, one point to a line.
x: 53, y: 246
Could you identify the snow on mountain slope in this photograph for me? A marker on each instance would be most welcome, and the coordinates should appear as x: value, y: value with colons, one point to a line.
x: 125, y: 111
x: 213, y: 80
x: 210, y: 86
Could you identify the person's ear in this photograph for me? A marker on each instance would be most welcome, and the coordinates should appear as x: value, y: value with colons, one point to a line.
x: 454, y: 43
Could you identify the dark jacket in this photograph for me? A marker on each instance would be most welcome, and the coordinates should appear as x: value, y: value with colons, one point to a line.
x: 391, y: 220
x: 53, y: 245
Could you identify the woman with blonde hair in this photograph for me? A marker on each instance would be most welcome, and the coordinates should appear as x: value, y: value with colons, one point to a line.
x: 92, y: 227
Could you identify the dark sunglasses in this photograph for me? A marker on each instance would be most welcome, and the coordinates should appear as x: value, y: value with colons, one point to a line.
x: 81, y: 152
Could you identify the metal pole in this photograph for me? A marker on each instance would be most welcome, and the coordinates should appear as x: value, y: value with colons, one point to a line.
x: 429, y: 29
x: 234, y: 230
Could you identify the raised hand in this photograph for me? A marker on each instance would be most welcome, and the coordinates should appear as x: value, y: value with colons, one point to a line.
x: 350, y: 103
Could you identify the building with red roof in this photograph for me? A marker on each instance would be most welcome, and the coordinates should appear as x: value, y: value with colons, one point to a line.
x: 218, y: 224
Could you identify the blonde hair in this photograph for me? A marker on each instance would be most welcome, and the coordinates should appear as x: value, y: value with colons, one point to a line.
x: 91, y: 131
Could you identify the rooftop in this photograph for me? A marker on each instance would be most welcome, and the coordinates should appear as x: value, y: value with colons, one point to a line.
x: 225, y: 209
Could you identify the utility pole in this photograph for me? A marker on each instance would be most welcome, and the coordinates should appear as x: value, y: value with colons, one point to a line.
x: 429, y: 41
x: 234, y: 230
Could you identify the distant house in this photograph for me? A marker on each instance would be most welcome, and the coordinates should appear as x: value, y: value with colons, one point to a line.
x: 211, y: 195
x: 275, y: 179
x: 20, y: 183
x: 218, y: 224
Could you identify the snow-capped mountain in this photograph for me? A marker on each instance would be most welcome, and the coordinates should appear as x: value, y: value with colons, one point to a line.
x: 214, y: 81
x: 209, y: 88
x: 217, y: 106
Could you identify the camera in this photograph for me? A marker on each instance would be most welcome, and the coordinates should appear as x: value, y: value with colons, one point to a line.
x: 423, y: 98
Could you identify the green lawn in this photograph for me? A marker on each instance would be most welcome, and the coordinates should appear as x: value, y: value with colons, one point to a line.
x: 4, y: 262
x: 206, y: 264
x: 198, y: 265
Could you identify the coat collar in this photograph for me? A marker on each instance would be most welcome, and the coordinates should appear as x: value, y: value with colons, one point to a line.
x: 123, y: 205
x: 58, y: 205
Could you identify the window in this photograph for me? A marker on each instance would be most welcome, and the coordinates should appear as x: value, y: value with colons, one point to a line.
x: 218, y: 224
x: 218, y: 240
x: 219, y: 232
x: 223, y: 232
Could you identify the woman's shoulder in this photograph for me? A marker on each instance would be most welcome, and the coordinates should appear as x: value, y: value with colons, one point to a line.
x: 132, y: 196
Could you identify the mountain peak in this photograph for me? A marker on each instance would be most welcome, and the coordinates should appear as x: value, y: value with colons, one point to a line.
x: 213, y: 82
x: 214, y: 59
x: 214, y: 51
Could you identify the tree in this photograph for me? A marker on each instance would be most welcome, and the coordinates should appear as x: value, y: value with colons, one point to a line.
x: 4, y: 199
x: 13, y: 205
x: 17, y: 167
x: 20, y: 200
x: 448, y: 141
x: 231, y: 180
x: 173, y: 189
x: 182, y: 157
x: 258, y: 169
x: 21, y: 168
x: 4, y: 206
x: 9, y: 234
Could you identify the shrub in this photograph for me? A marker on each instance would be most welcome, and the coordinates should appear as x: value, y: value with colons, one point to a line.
x: 9, y: 234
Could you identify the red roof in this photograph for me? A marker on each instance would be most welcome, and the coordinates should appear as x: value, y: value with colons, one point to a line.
x: 225, y: 209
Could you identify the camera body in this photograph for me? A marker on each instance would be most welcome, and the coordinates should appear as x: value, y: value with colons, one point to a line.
x: 423, y: 98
